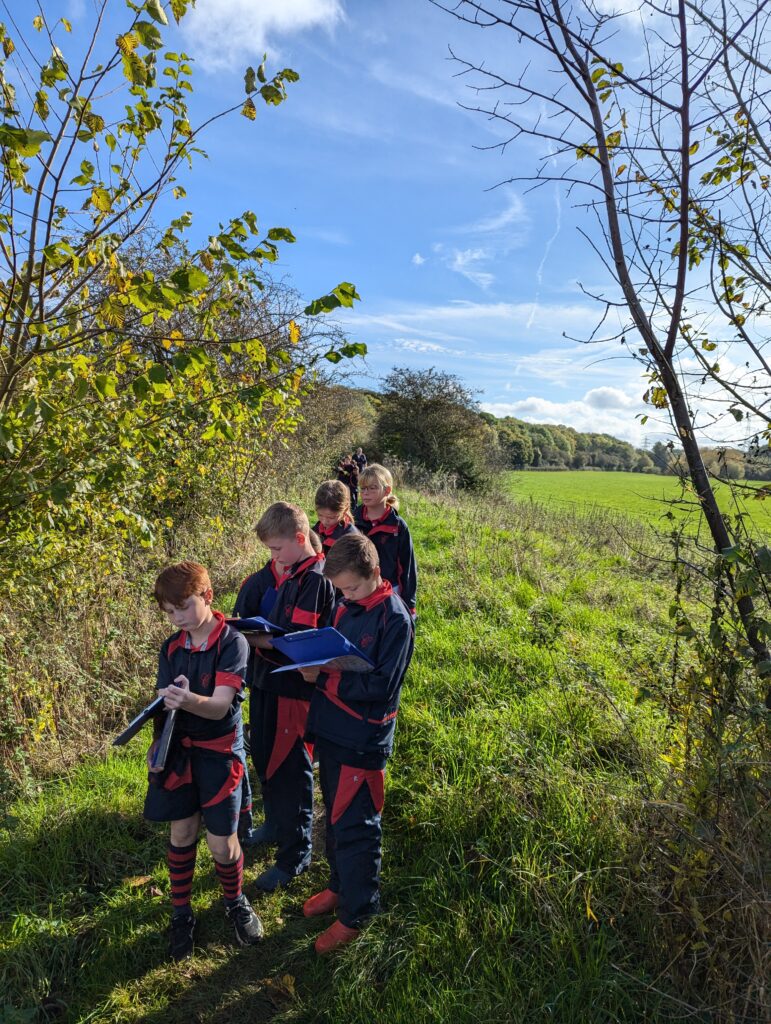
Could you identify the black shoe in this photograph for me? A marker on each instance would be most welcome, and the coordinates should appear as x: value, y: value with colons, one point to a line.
x: 181, y: 936
x: 248, y: 926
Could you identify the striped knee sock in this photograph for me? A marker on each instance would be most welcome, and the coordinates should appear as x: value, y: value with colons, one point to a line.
x: 231, y: 876
x: 181, y: 860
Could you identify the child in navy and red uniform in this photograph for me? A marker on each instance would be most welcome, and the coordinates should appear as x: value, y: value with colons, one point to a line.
x: 333, y: 508
x: 351, y: 723
x: 278, y: 706
x: 377, y: 519
x: 201, y: 673
x: 257, y: 597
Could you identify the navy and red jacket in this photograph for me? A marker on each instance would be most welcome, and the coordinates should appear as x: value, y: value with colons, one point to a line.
x: 258, y: 592
x: 357, y: 710
x: 221, y: 661
x: 391, y: 536
x: 328, y: 537
x: 257, y: 597
x: 304, y: 601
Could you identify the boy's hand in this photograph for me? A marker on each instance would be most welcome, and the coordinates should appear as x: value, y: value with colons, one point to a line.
x: 178, y: 694
x: 263, y: 641
x: 310, y: 674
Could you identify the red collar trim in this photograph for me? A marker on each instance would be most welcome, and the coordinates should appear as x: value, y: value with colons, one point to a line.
x: 382, y: 519
x: 382, y: 593
x: 299, y: 567
x: 328, y: 531
x: 277, y: 576
x: 210, y: 640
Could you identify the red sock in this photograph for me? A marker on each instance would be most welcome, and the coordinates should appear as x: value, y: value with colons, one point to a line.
x: 181, y: 861
x: 231, y: 876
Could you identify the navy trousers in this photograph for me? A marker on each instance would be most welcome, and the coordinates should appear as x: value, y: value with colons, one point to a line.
x: 353, y: 800
x: 284, y: 765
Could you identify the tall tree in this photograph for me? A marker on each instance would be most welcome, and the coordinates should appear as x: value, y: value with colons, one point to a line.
x: 113, y: 349
x: 671, y: 164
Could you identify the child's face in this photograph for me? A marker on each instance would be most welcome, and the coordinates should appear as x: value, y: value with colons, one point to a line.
x: 328, y: 518
x: 192, y: 614
x: 374, y: 493
x: 354, y: 587
x: 287, y: 550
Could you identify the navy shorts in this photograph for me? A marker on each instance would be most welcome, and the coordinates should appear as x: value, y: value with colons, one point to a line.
x: 202, y: 781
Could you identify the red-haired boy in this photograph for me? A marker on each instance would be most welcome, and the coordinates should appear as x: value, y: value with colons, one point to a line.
x: 201, y: 673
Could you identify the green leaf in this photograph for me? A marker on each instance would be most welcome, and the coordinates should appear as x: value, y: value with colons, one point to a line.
x: 189, y: 279
x: 23, y: 141
x: 101, y: 200
x: 156, y: 11
x: 141, y: 387
x: 333, y: 356
x: 148, y: 34
x: 250, y: 83
x: 281, y: 235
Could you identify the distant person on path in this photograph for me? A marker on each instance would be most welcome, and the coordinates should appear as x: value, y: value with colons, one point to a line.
x: 333, y: 508
x: 348, y: 473
x: 377, y: 518
x: 360, y: 459
x: 201, y: 673
x: 351, y: 723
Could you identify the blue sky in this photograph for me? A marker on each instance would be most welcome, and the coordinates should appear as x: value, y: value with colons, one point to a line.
x: 379, y: 174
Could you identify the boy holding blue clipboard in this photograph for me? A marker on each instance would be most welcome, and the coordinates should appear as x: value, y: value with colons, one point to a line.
x: 351, y: 723
x: 278, y: 705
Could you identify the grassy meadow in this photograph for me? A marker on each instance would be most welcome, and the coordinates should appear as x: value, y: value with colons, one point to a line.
x: 654, y: 499
x: 513, y: 822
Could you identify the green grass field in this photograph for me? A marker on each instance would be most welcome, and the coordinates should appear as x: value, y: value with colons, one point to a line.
x: 636, y: 495
x: 513, y: 824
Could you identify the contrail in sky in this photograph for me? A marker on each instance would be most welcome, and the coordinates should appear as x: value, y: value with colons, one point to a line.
x: 547, y: 250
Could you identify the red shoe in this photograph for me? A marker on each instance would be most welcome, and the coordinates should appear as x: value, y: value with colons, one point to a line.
x: 335, y: 936
x: 322, y: 903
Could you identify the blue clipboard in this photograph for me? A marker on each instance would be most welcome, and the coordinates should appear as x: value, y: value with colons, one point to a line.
x: 255, y: 624
x: 323, y: 647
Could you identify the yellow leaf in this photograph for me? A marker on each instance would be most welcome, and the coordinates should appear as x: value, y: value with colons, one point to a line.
x: 37, y: 22
x: 249, y: 110
x: 294, y: 332
x: 127, y: 43
x: 620, y: 169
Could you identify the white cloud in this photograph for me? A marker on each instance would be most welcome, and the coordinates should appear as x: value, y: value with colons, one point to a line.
x: 581, y: 414
x: 430, y: 347
x: 223, y: 31
x: 609, y: 398
x: 464, y: 261
x: 418, y: 260
x: 514, y: 212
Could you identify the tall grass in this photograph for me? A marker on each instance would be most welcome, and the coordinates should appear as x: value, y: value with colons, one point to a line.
x: 519, y: 880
